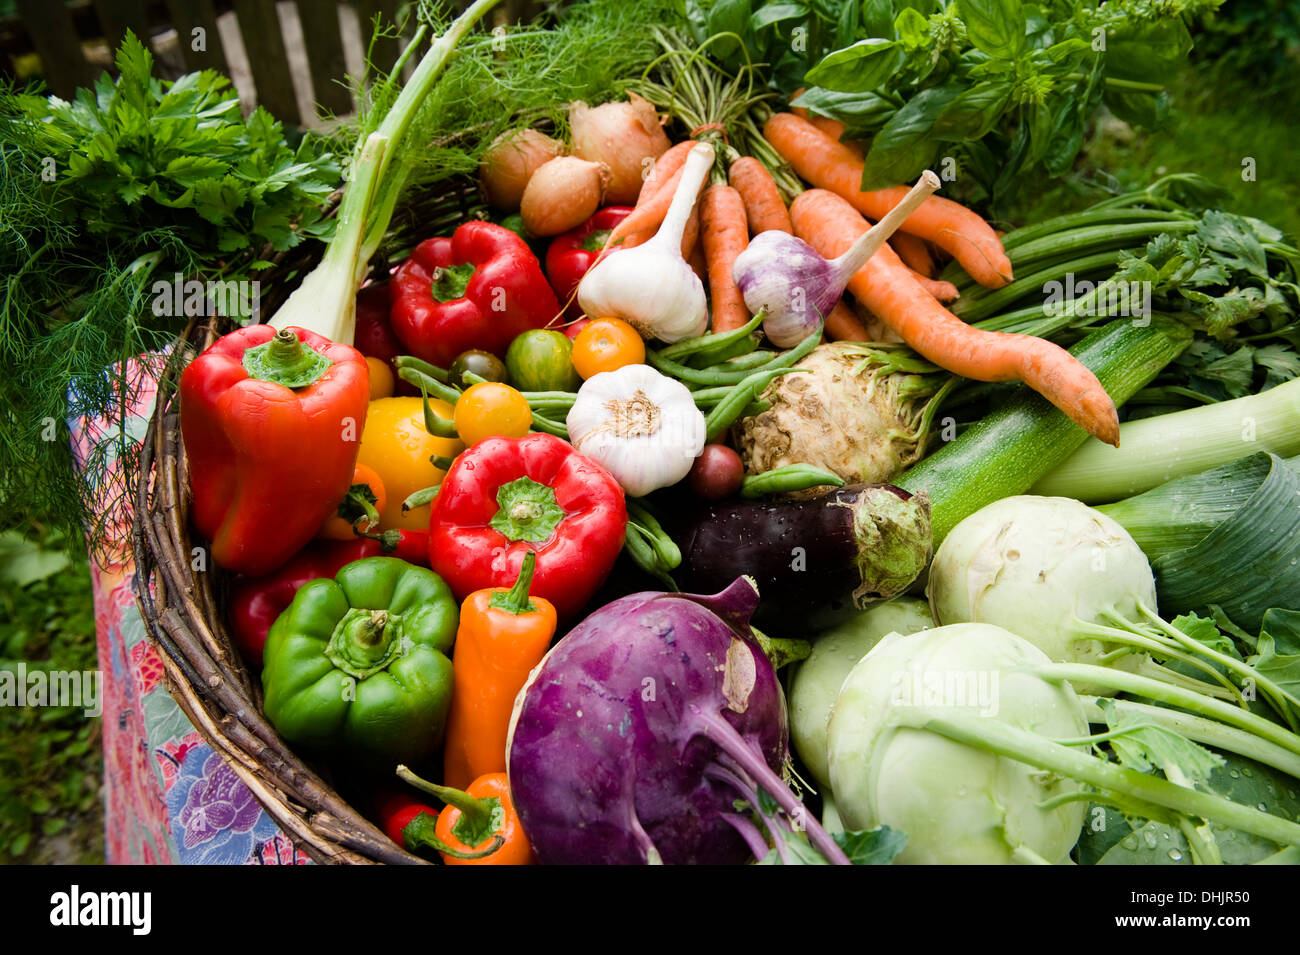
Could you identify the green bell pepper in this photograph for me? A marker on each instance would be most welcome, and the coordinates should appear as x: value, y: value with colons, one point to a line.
x: 358, y: 666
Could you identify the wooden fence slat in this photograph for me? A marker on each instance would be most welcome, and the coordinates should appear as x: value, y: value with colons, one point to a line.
x: 54, y: 37
x: 186, y: 16
x: 259, y: 25
x: 324, y: 43
x: 386, y: 49
x: 118, y: 16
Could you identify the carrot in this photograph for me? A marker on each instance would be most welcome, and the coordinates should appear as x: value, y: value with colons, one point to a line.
x: 724, y: 233
x: 914, y: 252
x: 885, y: 286
x: 939, y: 290
x: 842, y: 325
x: 764, y: 207
x: 831, y: 165
x: 831, y: 127
x: 652, y: 205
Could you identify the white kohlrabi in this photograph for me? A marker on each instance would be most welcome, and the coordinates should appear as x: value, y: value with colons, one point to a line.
x: 1042, y: 567
x: 642, y: 426
x: 818, y: 679
x: 958, y: 804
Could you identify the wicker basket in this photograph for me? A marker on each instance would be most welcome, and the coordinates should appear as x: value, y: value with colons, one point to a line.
x: 184, y: 607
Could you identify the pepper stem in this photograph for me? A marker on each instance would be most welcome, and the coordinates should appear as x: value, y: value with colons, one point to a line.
x: 478, y: 817
x: 285, y: 360
x: 515, y: 600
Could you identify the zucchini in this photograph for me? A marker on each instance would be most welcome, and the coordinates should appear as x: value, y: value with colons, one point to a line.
x: 1009, y: 449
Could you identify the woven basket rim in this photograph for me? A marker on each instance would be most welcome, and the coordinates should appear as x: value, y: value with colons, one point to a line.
x: 183, y: 606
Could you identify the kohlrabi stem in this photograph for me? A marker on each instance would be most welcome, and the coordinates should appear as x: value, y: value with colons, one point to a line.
x: 749, y: 832
x: 1027, y: 747
x: 714, y: 728
x: 1282, y: 700
x: 867, y: 244
x: 1132, y: 638
x: 1165, y: 693
x: 696, y: 169
x: 1202, y: 730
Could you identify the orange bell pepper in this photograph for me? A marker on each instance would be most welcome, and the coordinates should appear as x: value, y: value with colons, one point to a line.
x: 360, y: 510
x: 478, y: 827
x: 502, y: 635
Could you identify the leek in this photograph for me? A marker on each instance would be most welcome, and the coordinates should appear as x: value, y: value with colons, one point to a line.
x: 1153, y: 451
x: 325, y: 302
x: 1229, y: 537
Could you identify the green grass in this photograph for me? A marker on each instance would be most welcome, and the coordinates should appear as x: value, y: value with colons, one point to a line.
x: 1215, y: 123
x: 51, y: 759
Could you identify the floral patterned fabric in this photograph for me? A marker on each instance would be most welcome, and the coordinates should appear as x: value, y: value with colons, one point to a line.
x: 169, y: 797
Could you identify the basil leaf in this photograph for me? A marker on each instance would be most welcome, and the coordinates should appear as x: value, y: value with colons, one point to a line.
x: 878, y: 19
x: 860, y: 68
x: 906, y: 145
x: 846, y: 28
x: 973, y: 113
x: 771, y: 13
x: 729, y: 16
x: 1067, y: 137
x: 1140, y: 109
x: 995, y: 26
x: 1148, y: 52
x: 913, y: 29
x: 855, y: 110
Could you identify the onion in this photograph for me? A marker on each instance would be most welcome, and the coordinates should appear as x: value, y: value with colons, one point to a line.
x: 621, y: 135
x: 562, y: 194
x: 510, y: 162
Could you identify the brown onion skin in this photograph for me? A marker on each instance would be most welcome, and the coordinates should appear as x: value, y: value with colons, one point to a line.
x: 621, y: 135
x: 563, y: 194
x: 510, y: 162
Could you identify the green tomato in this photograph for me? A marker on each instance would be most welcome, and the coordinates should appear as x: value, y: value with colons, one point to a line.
x: 482, y: 363
x: 541, y: 360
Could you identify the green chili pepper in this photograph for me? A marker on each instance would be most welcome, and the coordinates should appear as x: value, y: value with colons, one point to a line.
x: 792, y: 477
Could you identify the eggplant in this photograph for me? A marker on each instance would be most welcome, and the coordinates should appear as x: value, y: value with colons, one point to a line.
x: 817, y: 562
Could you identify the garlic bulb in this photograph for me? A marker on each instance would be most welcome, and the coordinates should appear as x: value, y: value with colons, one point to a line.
x: 651, y: 287
x: 641, y: 426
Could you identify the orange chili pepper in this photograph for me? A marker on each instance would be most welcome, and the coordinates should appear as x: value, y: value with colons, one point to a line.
x: 359, y: 511
x: 478, y: 827
x: 503, y: 634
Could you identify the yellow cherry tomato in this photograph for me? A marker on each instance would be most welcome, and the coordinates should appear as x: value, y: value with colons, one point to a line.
x: 491, y: 410
x: 607, y: 344
x: 382, y: 381
x: 395, y: 444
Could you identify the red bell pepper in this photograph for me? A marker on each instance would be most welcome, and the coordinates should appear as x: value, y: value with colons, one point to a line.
x: 506, y: 496
x: 571, y: 254
x: 271, y: 423
x: 478, y: 289
x: 255, y: 602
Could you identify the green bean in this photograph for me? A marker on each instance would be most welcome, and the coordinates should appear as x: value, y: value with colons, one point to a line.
x: 644, y: 556
x: 541, y: 423
x: 755, y: 359
x: 702, y: 345
x: 429, y: 384
x: 712, y: 376
x: 434, y: 423
x: 422, y: 366
x: 792, y: 477
x: 727, y: 411
x: 664, y: 546
x: 755, y: 408
x: 550, y: 397
x: 421, y: 497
